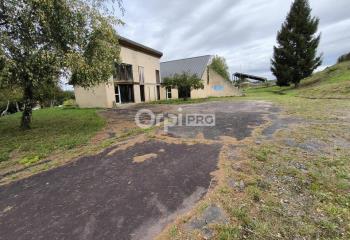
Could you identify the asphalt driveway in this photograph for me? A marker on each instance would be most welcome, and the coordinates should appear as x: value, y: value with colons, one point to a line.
x: 131, y: 192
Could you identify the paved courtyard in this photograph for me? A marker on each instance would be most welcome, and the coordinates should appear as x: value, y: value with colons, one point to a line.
x: 132, y: 190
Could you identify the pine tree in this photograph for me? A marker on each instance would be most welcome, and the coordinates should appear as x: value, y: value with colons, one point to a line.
x: 295, y: 55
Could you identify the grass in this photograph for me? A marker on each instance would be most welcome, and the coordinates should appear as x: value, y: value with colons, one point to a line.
x: 53, y: 129
x: 298, y: 193
x: 332, y: 83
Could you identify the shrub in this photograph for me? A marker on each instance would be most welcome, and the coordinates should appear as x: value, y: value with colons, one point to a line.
x: 219, y: 65
x: 70, y: 104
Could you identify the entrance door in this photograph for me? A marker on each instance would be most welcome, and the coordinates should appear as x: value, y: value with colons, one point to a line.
x: 126, y: 93
x: 158, y: 93
x: 142, y: 92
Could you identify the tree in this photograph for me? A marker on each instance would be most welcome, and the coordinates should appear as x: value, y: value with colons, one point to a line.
x: 41, y: 40
x: 9, y: 100
x: 219, y: 65
x: 343, y: 58
x: 185, y: 81
x: 295, y: 55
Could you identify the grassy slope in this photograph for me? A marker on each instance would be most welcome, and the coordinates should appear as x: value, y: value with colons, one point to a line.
x: 296, y: 193
x: 333, y: 82
x: 52, y: 129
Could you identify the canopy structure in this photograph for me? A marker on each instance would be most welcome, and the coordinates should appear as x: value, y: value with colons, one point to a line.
x: 248, y: 76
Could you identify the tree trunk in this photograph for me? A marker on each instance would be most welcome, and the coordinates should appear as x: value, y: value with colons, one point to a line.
x: 17, y: 107
x: 28, y: 106
x: 7, y: 108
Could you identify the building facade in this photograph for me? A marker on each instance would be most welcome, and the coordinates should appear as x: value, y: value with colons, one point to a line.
x: 137, y: 79
x: 214, y: 84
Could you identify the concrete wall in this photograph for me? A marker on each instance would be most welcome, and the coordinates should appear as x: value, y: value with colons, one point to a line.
x: 103, y: 95
x: 217, y: 87
x: 174, y: 94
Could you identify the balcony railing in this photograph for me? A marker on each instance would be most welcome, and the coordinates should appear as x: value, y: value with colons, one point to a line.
x: 123, y: 73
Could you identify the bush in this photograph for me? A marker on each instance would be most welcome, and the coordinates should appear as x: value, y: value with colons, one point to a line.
x: 343, y: 58
x: 219, y: 65
x: 70, y: 104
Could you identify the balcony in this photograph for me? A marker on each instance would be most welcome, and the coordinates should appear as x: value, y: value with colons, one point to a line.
x: 123, y: 73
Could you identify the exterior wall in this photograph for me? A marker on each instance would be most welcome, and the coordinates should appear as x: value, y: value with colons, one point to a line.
x: 174, y: 93
x: 103, y: 95
x: 99, y: 96
x: 217, y: 87
x: 150, y: 65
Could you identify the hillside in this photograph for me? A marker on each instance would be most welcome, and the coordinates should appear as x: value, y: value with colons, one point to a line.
x: 332, y: 83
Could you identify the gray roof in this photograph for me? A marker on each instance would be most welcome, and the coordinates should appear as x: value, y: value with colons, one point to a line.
x: 194, y: 65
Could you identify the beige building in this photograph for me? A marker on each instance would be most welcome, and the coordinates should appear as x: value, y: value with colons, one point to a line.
x: 214, y: 84
x: 137, y: 79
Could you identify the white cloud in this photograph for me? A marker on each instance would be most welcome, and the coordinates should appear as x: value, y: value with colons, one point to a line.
x: 243, y: 32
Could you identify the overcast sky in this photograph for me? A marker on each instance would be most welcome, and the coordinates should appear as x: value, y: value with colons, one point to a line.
x: 244, y: 32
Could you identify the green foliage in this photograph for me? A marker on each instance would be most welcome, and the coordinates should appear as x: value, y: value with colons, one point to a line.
x: 219, y: 65
x: 42, y: 40
x: 343, y: 58
x: 184, y: 81
x: 295, y: 56
x: 54, y: 129
x: 70, y: 103
x: 27, y: 161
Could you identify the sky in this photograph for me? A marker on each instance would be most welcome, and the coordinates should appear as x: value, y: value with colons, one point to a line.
x: 243, y: 32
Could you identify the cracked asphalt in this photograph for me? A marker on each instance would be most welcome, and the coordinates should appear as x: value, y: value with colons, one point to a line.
x: 112, y: 196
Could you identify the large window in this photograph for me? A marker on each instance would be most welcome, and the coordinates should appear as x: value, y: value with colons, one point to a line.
x: 123, y: 72
x: 157, y: 77
x: 168, y: 93
x: 141, y: 75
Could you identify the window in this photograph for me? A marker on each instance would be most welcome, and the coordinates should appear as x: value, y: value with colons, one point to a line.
x: 158, y: 92
x: 117, y: 94
x: 157, y: 77
x: 168, y: 93
x: 141, y: 75
x: 142, y: 92
x: 123, y: 72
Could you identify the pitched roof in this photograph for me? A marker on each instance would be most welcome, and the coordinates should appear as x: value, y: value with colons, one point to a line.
x: 125, y: 42
x: 194, y: 65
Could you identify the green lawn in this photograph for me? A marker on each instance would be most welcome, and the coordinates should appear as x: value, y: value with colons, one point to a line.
x: 333, y: 82
x: 52, y: 129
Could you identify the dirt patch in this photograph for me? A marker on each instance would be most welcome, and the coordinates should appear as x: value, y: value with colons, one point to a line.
x: 142, y: 158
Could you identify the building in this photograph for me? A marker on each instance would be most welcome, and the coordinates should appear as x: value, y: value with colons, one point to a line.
x: 137, y: 79
x: 214, y: 84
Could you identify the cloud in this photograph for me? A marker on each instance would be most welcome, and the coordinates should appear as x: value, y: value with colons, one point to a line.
x: 243, y: 32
